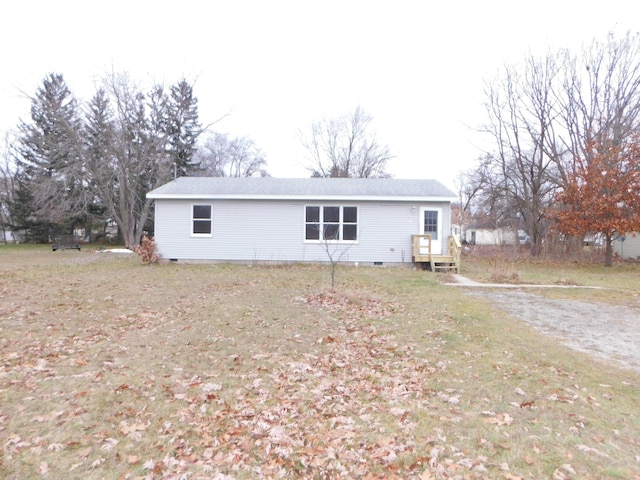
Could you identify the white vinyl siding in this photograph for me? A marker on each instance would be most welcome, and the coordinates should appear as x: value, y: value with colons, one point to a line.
x: 629, y: 247
x: 274, y: 231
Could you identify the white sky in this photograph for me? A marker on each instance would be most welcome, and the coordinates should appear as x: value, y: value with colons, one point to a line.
x: 275, y: 66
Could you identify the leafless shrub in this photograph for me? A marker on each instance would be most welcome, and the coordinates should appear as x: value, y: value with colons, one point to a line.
x: 504, y: 275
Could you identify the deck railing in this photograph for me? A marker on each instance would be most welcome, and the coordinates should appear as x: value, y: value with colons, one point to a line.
x: 421, y: 248
x: 454, y: 249
x: 421, y: 252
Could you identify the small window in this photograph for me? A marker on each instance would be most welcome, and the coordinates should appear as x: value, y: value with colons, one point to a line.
x: 313, y: 214
x: 350, y: 214
x: 331, y: 231
x: 331, y: 223
x: 312, y: 231
x: 331, y: 214
x: 312, y: 223
x: 350, y: 232
x: 350, y: 223
x: 201, y: 220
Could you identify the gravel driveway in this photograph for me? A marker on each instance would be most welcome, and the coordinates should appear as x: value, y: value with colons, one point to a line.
x: 607, y: 331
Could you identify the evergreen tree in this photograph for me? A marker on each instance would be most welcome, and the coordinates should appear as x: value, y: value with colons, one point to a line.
x: 99, y: 138
x: 22, y: 213
x: 75, y: 171
x: 50, y: 161
x: 183, y: 127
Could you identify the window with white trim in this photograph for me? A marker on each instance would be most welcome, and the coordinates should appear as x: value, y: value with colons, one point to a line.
x: 201, y: 220
x: 331, y: 223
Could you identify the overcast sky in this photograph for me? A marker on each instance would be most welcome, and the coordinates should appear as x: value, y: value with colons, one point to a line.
x: 275, y: 66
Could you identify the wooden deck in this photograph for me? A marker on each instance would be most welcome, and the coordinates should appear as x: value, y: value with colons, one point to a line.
x: 421, y: 253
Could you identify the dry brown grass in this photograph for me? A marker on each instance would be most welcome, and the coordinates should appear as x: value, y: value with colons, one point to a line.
x: 619, y: 283
x: 115, y: 369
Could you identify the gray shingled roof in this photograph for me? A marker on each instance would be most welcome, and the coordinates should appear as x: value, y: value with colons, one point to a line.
x: 228, y: 187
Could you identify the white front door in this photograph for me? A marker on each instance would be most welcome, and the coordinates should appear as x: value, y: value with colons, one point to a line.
x: 431, y: 224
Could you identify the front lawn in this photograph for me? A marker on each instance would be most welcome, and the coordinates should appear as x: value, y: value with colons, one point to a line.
x: 115, y: 369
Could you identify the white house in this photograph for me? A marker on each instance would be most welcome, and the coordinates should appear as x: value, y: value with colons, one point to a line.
x: 627, y: 246
x: 479, y: 234
x: 488, y: 235
x: 368, y: 221
x: 9, y: 236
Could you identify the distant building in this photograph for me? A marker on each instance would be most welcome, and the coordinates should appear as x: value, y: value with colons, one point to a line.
x: 483, y: 234
x: 627, y: 246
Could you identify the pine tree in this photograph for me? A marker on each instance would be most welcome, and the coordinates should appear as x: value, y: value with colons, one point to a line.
x: 183, y: 127
x: 50, y: 161
x: 99, y: 137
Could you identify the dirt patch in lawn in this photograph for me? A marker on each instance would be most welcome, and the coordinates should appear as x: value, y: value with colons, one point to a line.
x: 606, y: 331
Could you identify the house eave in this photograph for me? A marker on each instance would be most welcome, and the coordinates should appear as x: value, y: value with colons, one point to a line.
x: 306, y: 198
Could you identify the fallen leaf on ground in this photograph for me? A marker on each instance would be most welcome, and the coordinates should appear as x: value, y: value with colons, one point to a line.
x: 591, y: 451
x: 132, y: 430
x: 501, y: 419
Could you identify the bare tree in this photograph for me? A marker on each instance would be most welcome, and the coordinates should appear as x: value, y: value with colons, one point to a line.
x: 345, y: 147
x: 544, y: 116
x: 223, y: 156
x: 7, y: 172
x: 132, y: 144
x: 336, y: 252
x: 521, y: 173
x: 599, y: 98
x: 125, y: 157
x: 481, y: 198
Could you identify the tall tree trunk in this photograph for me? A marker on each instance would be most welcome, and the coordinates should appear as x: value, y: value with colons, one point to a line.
x: 608, y: 251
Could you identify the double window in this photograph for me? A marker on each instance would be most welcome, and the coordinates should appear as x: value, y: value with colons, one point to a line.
x: 201, y: 220
x: 331, y: 223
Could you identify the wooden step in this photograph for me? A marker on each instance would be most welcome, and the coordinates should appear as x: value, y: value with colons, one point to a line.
x: 443, y: 263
